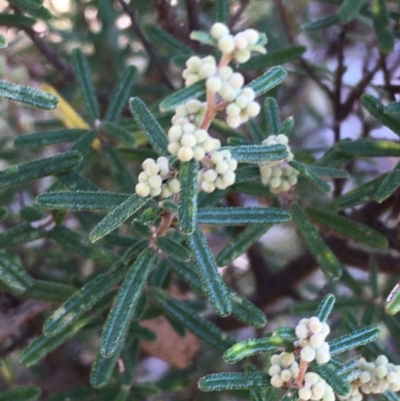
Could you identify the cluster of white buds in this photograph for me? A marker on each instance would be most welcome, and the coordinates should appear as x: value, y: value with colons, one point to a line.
x: 199, y: 68
x: 240, y: 45
x: 218, y: 171
x: 243, y: 108
x: 311, y: 334
x: 280, y: 139
x: 155, y: 179
x: 315, y: 388
x: 283, y: 370
x: 191, y: 112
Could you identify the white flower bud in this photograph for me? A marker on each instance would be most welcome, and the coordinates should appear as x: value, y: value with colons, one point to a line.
x: 207, y: 186
x: 249, y: 93
x: 311, y: 378
x: 155, y: 191
x: 173, y: 147
x: 242, y: 101
x: 165, y: 192
x: 287, y: 358
x: 307, y: 353
x: 226, y: 44
x: 365, y: 377
x: 221, y: 167
x: 189, y: 128
x: 252, y: 36
x: 225, y: 72
x: 185, y: 154
x: 232, y: 163
x: 241, y: 56
x: 152, y: 169
x: 148, y: 162
x: 286, y: 375
x: 276, y: 381
x: 275, y: 359
x: 188, y: 140
x: 174, y: 185
x: 316, y: 340
x: 210, y: 175
x: 206, y: 70
x: 274, y: 370
x: 382, y: 360
x: 219, y: 30
x: 191, y: 79
x: 233, y: 110
x: 318, y: 391
x: 143, y: 177
x: 229, y: 178
x: 175, y: 133
x: 277, y: 172
x: 181, y: 111
x: 201, y: 135
x: 315, y: 324
x: 275, y: 182
x: 193, y: 106
x: 328, y: 396
x: 305, y: 394
x: 142, y: 189
x: 234, y: 121
x: 253, y: 109
x: 198, y: 153
x: 322, y: 356
x: 211, y: 144
x: 213, y: 84
x: 282, y: 139
x: 193, y: 64
x: 227, y: 92
x: 381, y: 371
x: 241, y: 41
x: 155, y: 181
x: 236, y: 80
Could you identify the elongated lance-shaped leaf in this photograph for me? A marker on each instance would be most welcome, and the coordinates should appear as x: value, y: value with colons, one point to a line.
x: 102, y: 369
x: 337, y: 382
x: 183, y: 95
x: 173, y: 249
x: 79, y: 244
x: 14, y: 20
x: 287, y: 126
x: 273, y: 58
x: 325, y: 307
x: 71, y: 179
x: 135, y: 250
x: 43, y: 345
x: 246, y: 173
x: 255, y: 131
x: 120, y: 94
x: 272, y: 116
x: 268, y: 80
x: 82, y: 200
x: 349, y: 10
x: 390, y: 395
x: 82, y: 300
x: 39, y: 168
x: 358, y: 196
x: 49, y: 137
x: 24, y: 393
x: 257, y: 153
x: 309, y: 174
x: 392, y: 304
x: 377, y: 110
x: 389, y: 185
x: 25, y: 94
x: 383, y: 31
x: 308, y: 307
x: 20, y: 235
x: 242, y: 308
x: 369, y: 148
x: 13, y: 275
x: 211, y: 280
x: 149, y: 125
x: 329, y: 172
x: 235, y: 216
x: 188, y: 317
x: 355, y: 339
x: 188, y: 196
x: 123, y: 309
x: 83, y: 76
x: 348, y: 228
x: 233, y: 381
x: 241, y: 243
x: 322, y: 254
x: 247, y: 348
x: 322, y: 23
x: 221, y: 11
x: 27, y: 4
x: 163, y: 38
x: 117, y: 216
x: 119, y: 133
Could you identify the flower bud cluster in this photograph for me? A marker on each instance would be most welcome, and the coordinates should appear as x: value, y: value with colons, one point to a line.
x: 191, y: 112
x: 283, y: 370
x: 155, y: 179
x: 315, y: 388
x: 218, y: 171
x: 199, y: 68
x: 240, y: 45
x: 280, y: 139
x: 311, y: 334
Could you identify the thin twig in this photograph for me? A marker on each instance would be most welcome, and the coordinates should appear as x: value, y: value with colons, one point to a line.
x: 386, y: 76
x: 192, y: 11
x: 146, y: 43
x: 235, y: 17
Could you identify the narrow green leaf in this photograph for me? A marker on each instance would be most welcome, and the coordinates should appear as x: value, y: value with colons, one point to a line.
x: 255, y: 131
x: 188, y: 196
x: 247, y: 173
x: 254, y: 346
x: 332, y: 158
x: 3, y: 42
x: 286, y: 333
x: 349, y: 228
x: 240, y: 244
x: 163, y: 38
x: 369, y: 148
x: 272, y: 116
x: 390, y: 395
x: 21, y: 234
x: 25, y: 94
x: 82, y: 300
x: 173, y: 249
x: 40, y: 13
x: 221, y: 11
x: 13, y: 275
x: 24, y: 393
x: 83, y: 76
x: 20, y: 173
x: 15, y: 20
x: 203, y: 37
x: 392, y: 303
x: 233, y: 381
x: 349, y: 10
x: 49, y: 138
x: 338, y: 384
x: 119, y: 133
x: 322, y: 23
x: 135, y: 250
x: 183, y: 95
x: 195, y: 323
x: 287, y: 126
x: 353, y: 340
x: 117, y: 216
x: 325, y: 307
x: 268, y: 80
x: 27, y: 4
x: 308, y: 307
x: 211, y: 280
x: 49, y: 291
x: 82, y: 200
x: 257, y: 153
x: 389, y: 185
x: 377, y: 110
x: 329, y: 172
x: 102, y: 369
x: 149, y: 125
x: 322, y: 254
x: 383, y: 31
x: 121, y: 94
x: 309, y: 174
x: 123, y: 308
x: 235, y: 216
x: 277, y: 57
